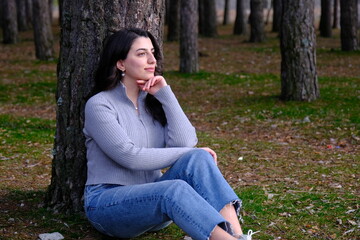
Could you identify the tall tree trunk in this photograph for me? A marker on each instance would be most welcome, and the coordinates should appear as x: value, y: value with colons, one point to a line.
x: 21, y: 15
x: 84, y: 25
x: 226, y: 12
x: 1, y: 14
x: 60, y: 10
x: 240, y: 20
x: 9, y: 21
x: 189, y: 59
x: 42, y: 30
x: 349, y: 25
x: 277, y: 6
x: 207, y: 18
x: 298, y: 63
x: 50, y: 2
x: 167, y: 5
x: 29, y: 12
x: 325, y: 19
x: 336, y: 14
x: 173, y: 20
x: 257, y: 33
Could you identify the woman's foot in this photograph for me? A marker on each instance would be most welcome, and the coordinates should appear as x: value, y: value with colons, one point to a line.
x: 247, y: 236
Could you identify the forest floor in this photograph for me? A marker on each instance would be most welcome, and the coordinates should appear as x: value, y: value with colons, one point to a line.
x: 295, y: 165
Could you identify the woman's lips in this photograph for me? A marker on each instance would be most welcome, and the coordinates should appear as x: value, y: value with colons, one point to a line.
x: 150, y: 69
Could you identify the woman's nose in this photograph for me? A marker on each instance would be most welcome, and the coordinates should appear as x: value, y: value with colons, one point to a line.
x: 151, y: 58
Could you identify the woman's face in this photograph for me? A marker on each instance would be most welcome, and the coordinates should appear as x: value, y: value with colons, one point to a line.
x: 140, y: 62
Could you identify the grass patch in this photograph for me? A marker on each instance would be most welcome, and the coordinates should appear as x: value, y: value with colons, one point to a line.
x: 28, y: 93
x: 19, y: 129
x: 300, y: 214
x: 337, y: 52
x: 257, y: 97
x: 30, y: 212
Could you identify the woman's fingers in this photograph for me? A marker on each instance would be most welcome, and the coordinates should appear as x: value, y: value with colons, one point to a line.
x: 152, y: 85
x: 212, y: 153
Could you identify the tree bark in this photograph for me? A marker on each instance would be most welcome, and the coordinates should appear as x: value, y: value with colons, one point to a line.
x: 1, y: 14
x: 240, y: 20
x: 226, y: 12
x: 42, y: 30
x: 50, y: 2
x: 349, y: 25
x: 9, y: 22
x: 29, y: 12
x: 325, y: 19
x: 257, y: 33
x: 21, y: 15
x: 298, y: 63
x: 276, y: 24
x: 336, y: 14
x: 84, y: 25
x: 173, y: 20
x: 207, y: 18
x: 189, y: 57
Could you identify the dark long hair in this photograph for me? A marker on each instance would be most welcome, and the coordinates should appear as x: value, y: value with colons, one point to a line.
x: 116, y: 48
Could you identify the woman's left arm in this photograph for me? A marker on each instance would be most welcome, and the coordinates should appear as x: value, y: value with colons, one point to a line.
x: 180, y: 131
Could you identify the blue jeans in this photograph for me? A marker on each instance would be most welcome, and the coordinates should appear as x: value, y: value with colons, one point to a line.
x: 191, y: 194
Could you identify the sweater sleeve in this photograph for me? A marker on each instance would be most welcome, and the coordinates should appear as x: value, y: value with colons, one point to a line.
x: 180, y: 132
x: 101, y: 126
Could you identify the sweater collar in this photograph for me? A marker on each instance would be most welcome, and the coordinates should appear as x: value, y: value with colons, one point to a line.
x: 121, y: 88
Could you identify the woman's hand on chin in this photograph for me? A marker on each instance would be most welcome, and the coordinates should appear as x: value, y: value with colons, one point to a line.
x: 152, y: 85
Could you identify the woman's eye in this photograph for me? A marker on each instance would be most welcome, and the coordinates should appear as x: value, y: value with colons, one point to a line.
x: 142, y: 54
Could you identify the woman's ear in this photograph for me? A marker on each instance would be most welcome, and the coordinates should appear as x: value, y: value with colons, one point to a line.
x: 120, y: 65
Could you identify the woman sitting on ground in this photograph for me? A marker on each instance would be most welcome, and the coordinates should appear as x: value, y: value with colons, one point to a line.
x: 134, y: 127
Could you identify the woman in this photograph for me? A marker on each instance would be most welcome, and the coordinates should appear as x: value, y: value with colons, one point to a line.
x: 134, y: 127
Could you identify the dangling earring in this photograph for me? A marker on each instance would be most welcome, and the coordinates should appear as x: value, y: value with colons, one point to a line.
x: 123, y: 74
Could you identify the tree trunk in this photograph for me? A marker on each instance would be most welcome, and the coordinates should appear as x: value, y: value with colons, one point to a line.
x: 277, y: 6
x: 1, y: 14
x: 349, y: 25
x: 50, y: 2
x: 21, y: 15
x: 84, y: 25
x: 173, y: 20
x: 167, y: 5
x: 325, y: 19
x: 42, y: 30
x: 240, y: 20
x: 226, y: 12
x: 9, y: 21
x: 60, y: 10
x: 207, y: 18
x: 189, y: 57
x: 29, y: 12
x: 257, y: 33
x: 336, y: 14
x: 297, y: 41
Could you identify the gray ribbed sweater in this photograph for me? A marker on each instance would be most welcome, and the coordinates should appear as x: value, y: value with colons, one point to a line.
x: 125, y: 147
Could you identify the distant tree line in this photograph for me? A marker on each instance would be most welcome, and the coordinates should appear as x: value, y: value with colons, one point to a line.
x: 295, y: 23
x: 22, y: 15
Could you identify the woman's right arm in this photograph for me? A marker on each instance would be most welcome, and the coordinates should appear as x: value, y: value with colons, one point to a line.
x: 179, y: 130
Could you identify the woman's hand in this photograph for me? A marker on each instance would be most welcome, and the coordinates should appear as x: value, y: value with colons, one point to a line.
x: 212, y: 152
x: 152, y: 85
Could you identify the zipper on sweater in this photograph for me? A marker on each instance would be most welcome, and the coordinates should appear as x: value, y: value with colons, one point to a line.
x: 145, y: 130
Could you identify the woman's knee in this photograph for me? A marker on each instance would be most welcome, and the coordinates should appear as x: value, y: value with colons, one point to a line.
x: 177, y: 188
x: 199, y: 158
